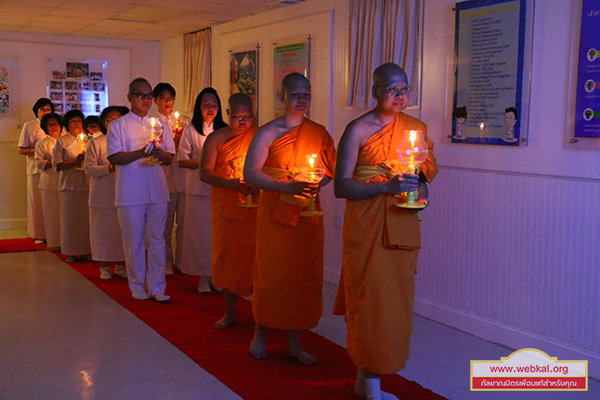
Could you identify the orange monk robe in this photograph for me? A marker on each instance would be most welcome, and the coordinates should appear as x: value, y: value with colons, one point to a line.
x: 233, y: 227
x: 288, y: 278
x: 380, y: 250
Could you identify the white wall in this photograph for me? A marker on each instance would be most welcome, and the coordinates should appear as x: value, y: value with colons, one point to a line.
x: 127, y: 59
x: 512, y: 240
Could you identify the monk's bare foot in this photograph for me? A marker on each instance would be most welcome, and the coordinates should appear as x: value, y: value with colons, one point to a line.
x: 225, y: 322
x: 258, y: 347
x: 296, y: 351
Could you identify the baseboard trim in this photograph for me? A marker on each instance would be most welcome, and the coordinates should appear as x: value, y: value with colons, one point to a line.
x: 9, y: 224
x: 496, y: 332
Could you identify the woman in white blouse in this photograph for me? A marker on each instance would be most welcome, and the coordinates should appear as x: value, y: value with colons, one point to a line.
x: 52, y: 126
x: 106, y: 239
x: 73, y: 186
x: 198, y: 223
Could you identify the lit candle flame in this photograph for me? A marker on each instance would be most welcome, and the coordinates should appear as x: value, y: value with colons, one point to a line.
x: 81, y: 137
x: 481, y: 126
x: 311, y: 159
x: 152, y: 123
x: 176, y: 114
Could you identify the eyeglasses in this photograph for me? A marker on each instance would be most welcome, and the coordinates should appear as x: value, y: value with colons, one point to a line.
x: 166, y: 98
x: 396, y: 91
x: 299, y: 96
x: 142, y: 96
x: 242, y: 117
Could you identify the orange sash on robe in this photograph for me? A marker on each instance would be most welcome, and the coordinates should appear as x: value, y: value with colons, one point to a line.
x: 288, y: 278
x: 380, y: 250
x: 233, y: 227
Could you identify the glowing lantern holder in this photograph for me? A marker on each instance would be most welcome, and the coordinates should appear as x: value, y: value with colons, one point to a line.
x: 156, y: 130
x: 239, y: 169
x: 311, y: 174
x: 412, y: 150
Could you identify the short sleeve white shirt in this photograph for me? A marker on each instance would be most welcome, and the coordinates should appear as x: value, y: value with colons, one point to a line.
x: 137, y: 183
x: 43, y: 153
x: 30, y: 135
x: 190, y: 148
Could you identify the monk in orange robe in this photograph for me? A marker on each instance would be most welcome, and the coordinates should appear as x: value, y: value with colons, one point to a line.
x: 380, y: 241
x: 233, y: 226
x: 288, y: 278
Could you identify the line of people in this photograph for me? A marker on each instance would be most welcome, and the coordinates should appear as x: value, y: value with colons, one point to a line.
x: 273, y: 251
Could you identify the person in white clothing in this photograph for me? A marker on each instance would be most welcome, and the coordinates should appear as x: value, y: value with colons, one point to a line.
x: 52, y: 125
x: 92, y: 126
x: 30, y: 135
x: 73, y: 185
x: 164, y: 98
x: 142, y: 193
x: 196, y: 258
x: 106, y: 239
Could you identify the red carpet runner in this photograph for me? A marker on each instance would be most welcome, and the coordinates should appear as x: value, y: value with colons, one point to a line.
x: 21, y: 244
x: 187, y: 322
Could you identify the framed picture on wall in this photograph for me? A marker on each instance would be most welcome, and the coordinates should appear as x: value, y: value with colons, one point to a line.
x: 244, y: 72
x: 78, y: 85
x: 492, y: 70
x: 289, y: 55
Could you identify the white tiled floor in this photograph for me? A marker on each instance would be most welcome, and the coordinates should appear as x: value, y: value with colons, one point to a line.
x: 62, y: 338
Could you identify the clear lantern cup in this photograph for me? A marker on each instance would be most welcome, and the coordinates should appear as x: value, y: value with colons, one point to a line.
x: 238, y: 166
x: 154, y: 131
x: 313, y: 173
x: 81, y: 141
x: 412, y: 150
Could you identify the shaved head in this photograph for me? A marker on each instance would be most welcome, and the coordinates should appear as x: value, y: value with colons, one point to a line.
x: 385, y: 73
x: 293, y: 81
x: 239, y: 100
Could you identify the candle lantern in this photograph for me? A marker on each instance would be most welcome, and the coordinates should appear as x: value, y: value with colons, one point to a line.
x: 311, y: 173
x: 412, y: 151
x: 155, y: 129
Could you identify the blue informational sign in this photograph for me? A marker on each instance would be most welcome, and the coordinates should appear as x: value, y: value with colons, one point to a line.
x: 587, y: 108
x: 490, y: 54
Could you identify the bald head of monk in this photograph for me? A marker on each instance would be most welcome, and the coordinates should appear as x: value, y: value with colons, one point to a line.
x: 240, y: 112
x: 390, y: 88
x: 295, y: 93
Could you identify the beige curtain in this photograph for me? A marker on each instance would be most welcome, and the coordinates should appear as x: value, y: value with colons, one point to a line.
x: 381, y: 31
x: 196, y: 65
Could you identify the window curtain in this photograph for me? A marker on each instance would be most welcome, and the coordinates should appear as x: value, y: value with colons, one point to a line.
x: 382, y: 31
x: 196, y: 65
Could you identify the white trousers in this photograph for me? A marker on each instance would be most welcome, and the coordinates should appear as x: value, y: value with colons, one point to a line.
x: 51, y: 207
x: 141, y: 223
x: 175, y: 212
x: 35, y: 212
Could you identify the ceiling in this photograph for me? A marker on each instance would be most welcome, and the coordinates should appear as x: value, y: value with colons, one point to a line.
x: 126, y: 19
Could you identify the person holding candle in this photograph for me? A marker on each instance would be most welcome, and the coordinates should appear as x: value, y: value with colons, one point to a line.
x: 197, y: 229
x: 106, y: 238
x: 233, y: 227
x: 52, y: 125
x: 141, y: 192
x: 288, y: 277
x: 73, y: 185
x: 30, y: 135
x: 164, y: 98
x: 380, y: 241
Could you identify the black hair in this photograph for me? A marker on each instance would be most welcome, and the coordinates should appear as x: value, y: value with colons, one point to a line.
x: 69, y: 115
x: 161, y: 87
x: 91, y: 119
x: 46, y: 118
x: 512, y: 110
x: 41, y: 102
x: 120, y: 109
x: 461, y: 112
x: 197, y: 120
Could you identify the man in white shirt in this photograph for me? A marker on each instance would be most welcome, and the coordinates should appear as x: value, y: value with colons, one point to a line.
x: 142, y: 193
x: 164, y: 98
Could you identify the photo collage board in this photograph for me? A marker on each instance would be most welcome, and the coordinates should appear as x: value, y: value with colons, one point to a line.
x: 78, y: 86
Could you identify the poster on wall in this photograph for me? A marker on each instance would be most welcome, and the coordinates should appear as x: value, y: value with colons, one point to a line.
x: 243, y: 74
x: 4, y: 91
x: 78, y: 85
x: 292, y: 56
x: 587, y: 105
x: 492, y: 72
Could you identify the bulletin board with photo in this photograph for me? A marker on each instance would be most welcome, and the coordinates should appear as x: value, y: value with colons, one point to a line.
x: 78, y: 85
